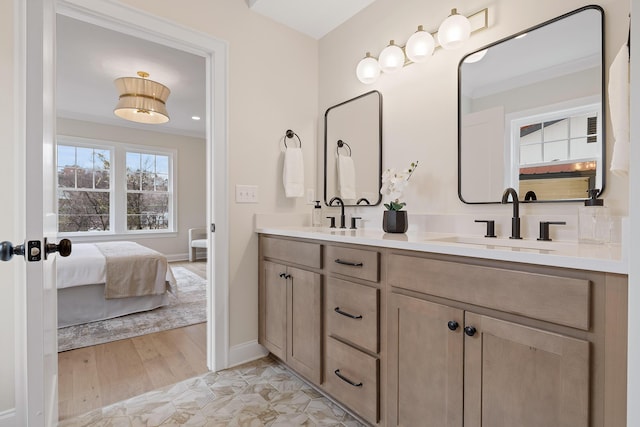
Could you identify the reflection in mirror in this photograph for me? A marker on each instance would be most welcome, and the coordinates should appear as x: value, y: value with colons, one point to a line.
x: 353, y: 150
x: 530, y: 113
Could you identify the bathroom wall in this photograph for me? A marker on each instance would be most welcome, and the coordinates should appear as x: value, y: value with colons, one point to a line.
x: 191, y: 178
x: 420, y: 102
x: 273, y: 86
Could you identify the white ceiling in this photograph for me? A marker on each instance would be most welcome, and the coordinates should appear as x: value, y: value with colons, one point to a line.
x: 312, y: 17
x: 90, y: 58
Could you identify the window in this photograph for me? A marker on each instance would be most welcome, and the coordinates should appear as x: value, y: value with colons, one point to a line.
x: 112, y: 188
x: 84, y: 189
x: 148, y: 196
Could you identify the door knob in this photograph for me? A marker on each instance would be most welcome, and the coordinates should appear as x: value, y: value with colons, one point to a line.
x: 7, y: 250
x: 470, y: 330
x: 63, y: 248
x: 452, y: 325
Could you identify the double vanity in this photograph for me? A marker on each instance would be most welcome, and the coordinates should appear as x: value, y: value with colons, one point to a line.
x: 448, y: 330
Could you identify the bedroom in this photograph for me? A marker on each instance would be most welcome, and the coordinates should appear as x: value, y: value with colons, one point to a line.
x: 98, y: 154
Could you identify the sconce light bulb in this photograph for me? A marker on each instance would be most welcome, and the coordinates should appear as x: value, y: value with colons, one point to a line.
x: 391, y: 58
x: 454, y: 31
x: 368, y: 69
x: 420, y: 46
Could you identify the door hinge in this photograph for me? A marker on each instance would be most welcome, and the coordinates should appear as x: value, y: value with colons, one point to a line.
x: 213, y: 228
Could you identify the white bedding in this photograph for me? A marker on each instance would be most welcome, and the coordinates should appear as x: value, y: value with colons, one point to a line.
x: 85, y: 266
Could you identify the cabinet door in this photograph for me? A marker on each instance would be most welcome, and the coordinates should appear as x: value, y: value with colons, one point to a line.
x: 305, y: 323
x: 520, y: 376
x: 274, y: 308
x: 425, y: 364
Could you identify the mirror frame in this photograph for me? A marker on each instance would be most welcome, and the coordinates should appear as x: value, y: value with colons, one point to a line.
x: 602, y: 107
x: 379, y: 146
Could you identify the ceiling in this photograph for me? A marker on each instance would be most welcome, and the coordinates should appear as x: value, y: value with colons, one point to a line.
x: 90, y: 58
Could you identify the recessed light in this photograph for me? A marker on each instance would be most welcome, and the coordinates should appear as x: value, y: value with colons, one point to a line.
x: 195, y: 118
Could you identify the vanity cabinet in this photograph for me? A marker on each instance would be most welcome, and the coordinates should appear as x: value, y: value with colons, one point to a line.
x: 290, y: 308
x: 480, y: 343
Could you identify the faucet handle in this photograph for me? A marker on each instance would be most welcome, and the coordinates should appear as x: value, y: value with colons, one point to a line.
x: 491, y: 227
x: 544, y: 229
x: 333, y: 221
x: 353, y: 222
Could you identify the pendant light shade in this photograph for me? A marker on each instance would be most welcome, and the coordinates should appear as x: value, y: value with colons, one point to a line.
x: 454, y: 30
x: 368, y: 69
x: 420, y: 46
x: 142, y: 100
x: 391, y: 58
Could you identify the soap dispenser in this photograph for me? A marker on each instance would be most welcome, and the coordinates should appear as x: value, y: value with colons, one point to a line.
x: 594, y: 220
x: 316, y: 215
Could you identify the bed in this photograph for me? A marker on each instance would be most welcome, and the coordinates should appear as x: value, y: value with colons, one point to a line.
x: 104, y: 280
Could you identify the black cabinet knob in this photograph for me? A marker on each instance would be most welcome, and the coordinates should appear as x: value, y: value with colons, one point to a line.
x: 452, y: 325
x: 470, y: 330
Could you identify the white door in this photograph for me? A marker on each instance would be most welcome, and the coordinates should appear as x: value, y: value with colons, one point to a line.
x: 39, y: 123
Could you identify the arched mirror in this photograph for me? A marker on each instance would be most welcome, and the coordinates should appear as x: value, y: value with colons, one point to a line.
x: 530, y: 113
x: 353, y: 150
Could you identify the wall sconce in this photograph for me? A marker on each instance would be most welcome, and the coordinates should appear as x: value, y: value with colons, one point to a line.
x: 451, y: 34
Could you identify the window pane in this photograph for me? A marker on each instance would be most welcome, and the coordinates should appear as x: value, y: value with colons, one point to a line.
x: 147, y: 211
x: 581, y: 149
x: 556, y: 130
x: 162, y: 182
x: 66, y: 156
x: 102, y: 179
x: 148, y: 163
x: 84, y: 157
x: 102, y: 159
x: 554, y: 151
x: 84, y: 177
x: 66, y: 177
x: 530, y: 154
x: 162, y: 164
x: 83, y: 211
x: 531, y: 133
x: 133, y: 171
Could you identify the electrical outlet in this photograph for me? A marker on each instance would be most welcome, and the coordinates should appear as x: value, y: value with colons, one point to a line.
x: 246, y: 193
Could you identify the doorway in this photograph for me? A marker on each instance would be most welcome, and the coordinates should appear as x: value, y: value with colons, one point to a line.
x: 118, y: 17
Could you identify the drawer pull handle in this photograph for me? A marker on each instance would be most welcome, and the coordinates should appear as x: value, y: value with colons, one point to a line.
x: 352, y: 264
x: 344, y: 313
x: 345, y: 379
x: 285, y: 276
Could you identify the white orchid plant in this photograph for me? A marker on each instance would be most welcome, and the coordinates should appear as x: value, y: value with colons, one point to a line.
x: 393, y: 184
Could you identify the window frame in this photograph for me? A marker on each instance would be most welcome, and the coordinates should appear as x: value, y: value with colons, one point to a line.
x: 118, y: 188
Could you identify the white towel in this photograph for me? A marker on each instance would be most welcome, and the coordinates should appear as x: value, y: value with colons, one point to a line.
x: 293, y: 172
x: 619, y: 110
x: 346, y: 177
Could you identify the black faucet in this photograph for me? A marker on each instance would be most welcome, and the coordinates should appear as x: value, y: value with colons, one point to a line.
x: 339, y: 200
x: 515, y: 221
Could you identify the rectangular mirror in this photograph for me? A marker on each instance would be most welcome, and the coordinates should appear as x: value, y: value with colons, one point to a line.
x: 530, y: 113
x: 353, y: 150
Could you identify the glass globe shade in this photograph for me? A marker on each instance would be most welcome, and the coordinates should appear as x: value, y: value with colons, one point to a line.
x: 475, y: 57
x: 391, y: 58
x: 453, y: 31
x: 420, y: 46
x: 368, y: 69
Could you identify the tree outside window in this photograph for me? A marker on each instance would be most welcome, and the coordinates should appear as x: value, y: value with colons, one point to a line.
x: 84, y: 188
x: 148, y: 195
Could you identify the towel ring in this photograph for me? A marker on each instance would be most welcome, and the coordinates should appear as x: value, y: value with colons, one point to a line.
x: 341, y: 144
x: 290, y: 134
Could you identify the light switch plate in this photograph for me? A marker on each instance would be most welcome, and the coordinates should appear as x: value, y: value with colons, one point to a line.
x: 246, y: 193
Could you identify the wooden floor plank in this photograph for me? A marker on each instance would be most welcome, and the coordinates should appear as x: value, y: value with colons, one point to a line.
x: 93, y: 377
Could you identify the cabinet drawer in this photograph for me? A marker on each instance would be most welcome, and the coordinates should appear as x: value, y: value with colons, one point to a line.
x: 359, y: 263
x: 352, y: 313
x: 302, y: 253
x: 351, y: 376
x: 556, y: 299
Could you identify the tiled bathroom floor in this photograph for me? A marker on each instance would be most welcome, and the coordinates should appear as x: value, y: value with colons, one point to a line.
x: 260, y: 393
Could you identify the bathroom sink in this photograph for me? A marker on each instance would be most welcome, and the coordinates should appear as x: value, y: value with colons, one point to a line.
x: 499, y: 243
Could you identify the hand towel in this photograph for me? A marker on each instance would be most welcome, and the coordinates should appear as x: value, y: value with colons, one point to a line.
x: 346, y: 177
x: 619, y: 109
x: 293, y: 172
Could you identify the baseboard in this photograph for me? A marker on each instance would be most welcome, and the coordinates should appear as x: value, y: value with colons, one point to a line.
x: 246, y: 352
x: 185, y: 257
x: 8, y: 418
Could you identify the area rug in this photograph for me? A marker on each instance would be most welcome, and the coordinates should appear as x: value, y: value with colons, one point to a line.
x: 187, y: 308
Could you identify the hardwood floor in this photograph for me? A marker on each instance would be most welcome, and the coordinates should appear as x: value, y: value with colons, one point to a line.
x: 93, y: 377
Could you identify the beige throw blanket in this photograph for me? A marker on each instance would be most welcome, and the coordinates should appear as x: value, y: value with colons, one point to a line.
x: 133, y: 270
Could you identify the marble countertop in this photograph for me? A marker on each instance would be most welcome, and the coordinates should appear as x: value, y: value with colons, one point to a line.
x: 606, y: 258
